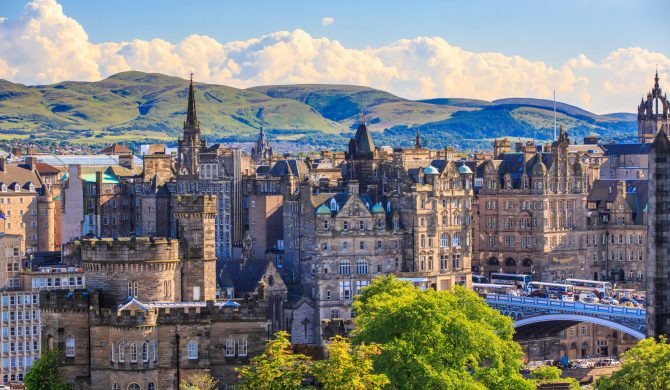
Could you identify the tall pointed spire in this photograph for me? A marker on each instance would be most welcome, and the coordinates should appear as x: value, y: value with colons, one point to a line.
x: 417, y: 141
x: 191, y: 117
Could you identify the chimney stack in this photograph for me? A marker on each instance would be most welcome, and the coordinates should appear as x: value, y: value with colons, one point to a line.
x: 3, y: 164
x: 16, y: 151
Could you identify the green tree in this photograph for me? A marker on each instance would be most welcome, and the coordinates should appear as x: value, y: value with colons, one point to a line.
x: 276, y: 369
x: 429, y: 339
x: 646, y: 366
x: 200, y: 381
x: 44, y: 375
x: 551, y: 374
x: 348, y: 367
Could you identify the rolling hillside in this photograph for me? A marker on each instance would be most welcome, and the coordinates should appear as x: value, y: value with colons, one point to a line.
x: 141, y: 107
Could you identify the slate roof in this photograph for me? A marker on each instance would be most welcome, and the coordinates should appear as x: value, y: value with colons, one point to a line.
x: 290, y: 167
x: 637, y: 195
x: 246, y: 279
x: 621, y: 149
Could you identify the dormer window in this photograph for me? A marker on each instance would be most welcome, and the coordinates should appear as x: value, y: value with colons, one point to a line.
x: 333, y: 205
x: 31, y: 187
x: 4, y: 187
x: 16, y: 187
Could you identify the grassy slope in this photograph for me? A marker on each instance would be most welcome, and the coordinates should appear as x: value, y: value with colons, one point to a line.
x: 136, y: 106
x: 137, y: 103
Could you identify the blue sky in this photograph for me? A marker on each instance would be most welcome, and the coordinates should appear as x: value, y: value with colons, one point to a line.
x: 552, y: 31
x: 599, y: 55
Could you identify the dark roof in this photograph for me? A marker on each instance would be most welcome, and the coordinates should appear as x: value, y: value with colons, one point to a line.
x: 262, y: 169
x: 364, y: 144
x: 290, y: 167
x: 243, y: 280
x: 621, y: 149
x: 637, y: 195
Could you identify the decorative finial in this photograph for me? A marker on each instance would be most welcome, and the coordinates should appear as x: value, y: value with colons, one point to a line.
x: 191, y: 77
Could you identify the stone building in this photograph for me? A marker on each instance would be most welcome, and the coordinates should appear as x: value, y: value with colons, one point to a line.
x: 20, y: 283
x: 150, y: 317
x: 27, y: 205
x: 531, y: 212
x: 658, y: 269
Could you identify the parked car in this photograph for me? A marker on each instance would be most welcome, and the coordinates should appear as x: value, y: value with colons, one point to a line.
x: 630, y: 302
x: 588, y: 297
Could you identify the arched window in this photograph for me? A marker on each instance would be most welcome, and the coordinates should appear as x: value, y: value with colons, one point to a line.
x: 122, y: 353
x: 133, y: 353
x: 192, y: 349
x: 145, y: 352
x: 69, y: 346
x: 493, y: 261
x: 116, y: 386
x: 151, y: 386
x: 134, y: 386
x: 527, y: 262
x: 135, y: 289
x: 361, y: 266
x: 345, y: 267
x: 242, y: 347
x: 444, y: 240
x: 230, y: 347
x: 457, y: 239
x: 510, y: 262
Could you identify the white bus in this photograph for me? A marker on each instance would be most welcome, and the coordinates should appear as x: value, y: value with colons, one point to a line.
x: 488, y: 288
x: 518, y: 280
x: 603, y: 288
x: 564, y: 292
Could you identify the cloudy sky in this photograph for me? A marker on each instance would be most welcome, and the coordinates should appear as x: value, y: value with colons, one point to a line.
x: 597, y: 54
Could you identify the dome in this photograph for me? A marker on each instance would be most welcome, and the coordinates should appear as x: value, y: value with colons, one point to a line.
x: 539, y: 168
x: 323, y: 209
x: 378, y: 208
x: 464, y: 170
x: 431, y: 170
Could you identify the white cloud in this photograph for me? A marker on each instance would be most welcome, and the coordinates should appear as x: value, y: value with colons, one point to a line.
x: 327, y: 21
x: 43, y: 45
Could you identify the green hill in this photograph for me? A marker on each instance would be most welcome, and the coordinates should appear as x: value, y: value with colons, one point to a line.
x: 141, y: 107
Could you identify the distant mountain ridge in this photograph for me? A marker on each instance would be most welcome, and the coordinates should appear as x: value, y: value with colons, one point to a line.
x: 145, y: 107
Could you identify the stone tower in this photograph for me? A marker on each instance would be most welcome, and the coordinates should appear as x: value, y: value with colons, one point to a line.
x: 653, y: 114
x: 195, y: 216
x: 658, y: 266
x: 46, y: 214
x: 188, y: 157
x: 262, y: 151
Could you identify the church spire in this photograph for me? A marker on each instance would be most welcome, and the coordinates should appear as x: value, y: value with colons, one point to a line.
x: 417, y: 141
x: 191, y: 117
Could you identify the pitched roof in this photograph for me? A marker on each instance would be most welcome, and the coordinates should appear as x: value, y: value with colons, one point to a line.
x: 116, y: 149
x: 288, y: 168
x: 46, y: 169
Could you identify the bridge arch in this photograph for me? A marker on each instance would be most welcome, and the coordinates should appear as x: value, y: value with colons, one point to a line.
x: 580, y: 318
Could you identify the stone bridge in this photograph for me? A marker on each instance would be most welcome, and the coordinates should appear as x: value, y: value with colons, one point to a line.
x: 536, y: 311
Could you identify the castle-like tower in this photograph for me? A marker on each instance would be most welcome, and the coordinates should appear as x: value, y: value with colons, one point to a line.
x: 652, y: 114
x: 188, y: 159
x: 195, y: 217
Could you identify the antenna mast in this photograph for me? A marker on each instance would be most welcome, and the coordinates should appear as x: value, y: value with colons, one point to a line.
x: 554, y: 115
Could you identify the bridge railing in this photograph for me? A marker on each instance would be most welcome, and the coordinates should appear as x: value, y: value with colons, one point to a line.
x: 555, y: 304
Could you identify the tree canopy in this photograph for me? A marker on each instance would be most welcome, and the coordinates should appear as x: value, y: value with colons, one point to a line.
x: 348, y: 367
x: 44, y: 375
x: 278, y: 368
x: 646, y: 366
x: 430, y: 339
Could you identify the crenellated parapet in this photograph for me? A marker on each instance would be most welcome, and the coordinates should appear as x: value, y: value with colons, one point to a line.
x: 127, y: 249
x: 67, y: 300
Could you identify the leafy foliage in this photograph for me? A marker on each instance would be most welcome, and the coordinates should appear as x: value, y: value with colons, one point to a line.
x: 551, y: 374
x: 277, y: 369
x: 646, y: 366
x: 348, y: 367
x: 200, y: 381
x: 430, y: 339
x: 44, y: 375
